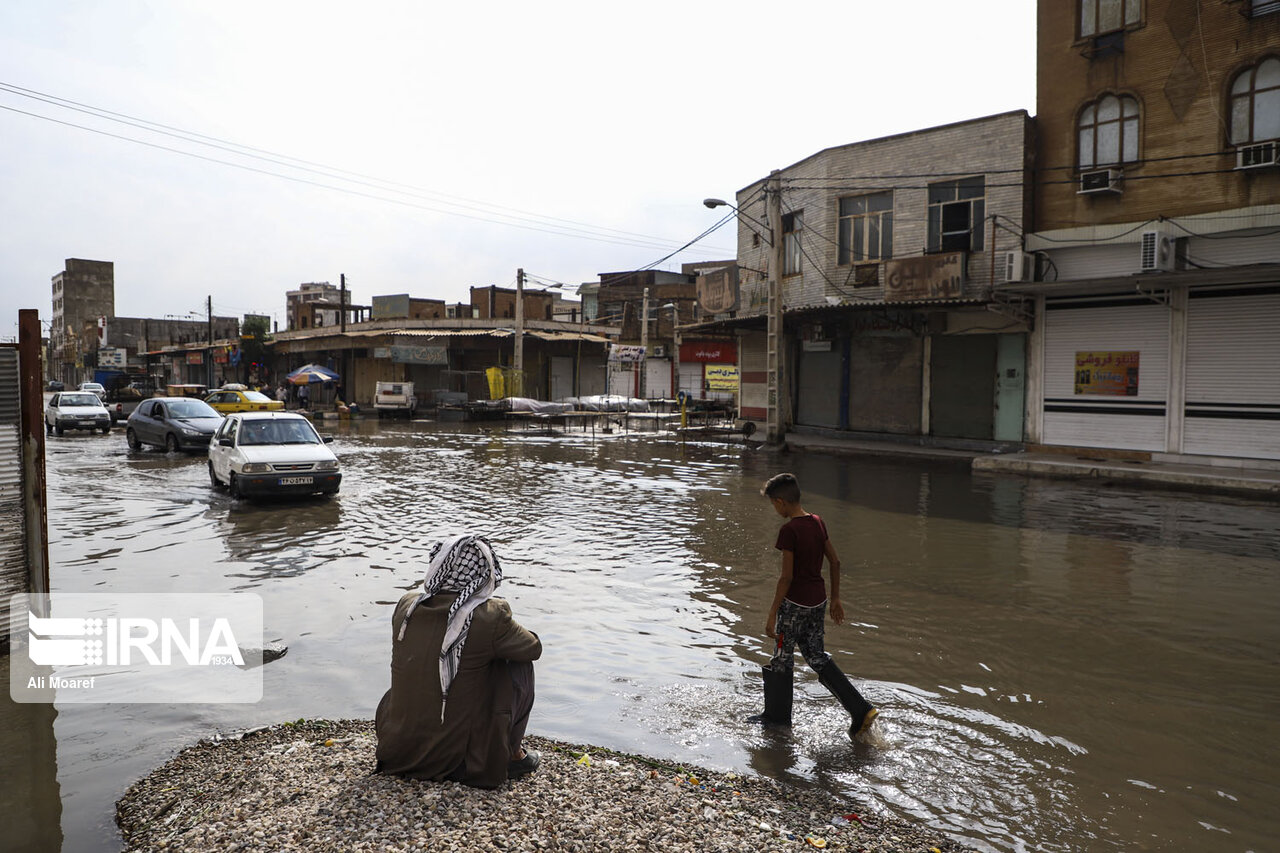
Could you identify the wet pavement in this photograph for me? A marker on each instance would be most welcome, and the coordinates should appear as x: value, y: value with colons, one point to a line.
x: 1059, y: 665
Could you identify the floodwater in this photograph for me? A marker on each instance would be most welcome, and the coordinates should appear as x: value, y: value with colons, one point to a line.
x: 1059, y: 666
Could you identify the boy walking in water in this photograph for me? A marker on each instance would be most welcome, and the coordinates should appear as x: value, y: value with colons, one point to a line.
x: 799, y: 605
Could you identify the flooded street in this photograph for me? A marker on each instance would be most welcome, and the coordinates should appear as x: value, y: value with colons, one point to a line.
x: 1059, y: 666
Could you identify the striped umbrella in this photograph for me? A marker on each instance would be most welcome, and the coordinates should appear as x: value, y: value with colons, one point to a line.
x: 309, y: 374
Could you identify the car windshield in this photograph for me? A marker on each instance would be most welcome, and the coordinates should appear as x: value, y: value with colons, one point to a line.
x: 80, y: 400
x: 191, y: 409
x: 91, y: 386
x: 255, y: 397
x: 277, y: 432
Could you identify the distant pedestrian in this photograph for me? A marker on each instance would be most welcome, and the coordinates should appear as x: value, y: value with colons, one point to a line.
x: 799, y: 605
x: 303, y: 396
x: 282, y: 393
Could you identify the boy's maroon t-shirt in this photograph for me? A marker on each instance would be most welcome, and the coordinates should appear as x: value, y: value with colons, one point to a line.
x: 805, y: 536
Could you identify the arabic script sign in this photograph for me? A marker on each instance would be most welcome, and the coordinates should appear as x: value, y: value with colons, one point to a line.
x: 419, y: 355
x: 925, y: 277
x: 1110, y: 374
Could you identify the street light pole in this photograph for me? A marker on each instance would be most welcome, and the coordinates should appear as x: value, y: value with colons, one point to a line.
x: 644, y: 344
x: 518, y: 359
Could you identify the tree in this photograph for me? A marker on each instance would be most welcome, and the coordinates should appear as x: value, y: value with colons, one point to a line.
x: 254, y: 335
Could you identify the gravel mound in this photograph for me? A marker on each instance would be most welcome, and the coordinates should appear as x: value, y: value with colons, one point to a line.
x: 306, y: 786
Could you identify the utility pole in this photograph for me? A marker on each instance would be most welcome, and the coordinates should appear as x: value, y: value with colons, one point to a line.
x: 518, y: 356
x: 345, y: 377
x: 644, y: 344
x: 774, y: 338
x: 208, y: 355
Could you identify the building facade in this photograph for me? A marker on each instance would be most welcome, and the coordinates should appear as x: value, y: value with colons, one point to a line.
x: 1154, y: 265
x: 893, y: 251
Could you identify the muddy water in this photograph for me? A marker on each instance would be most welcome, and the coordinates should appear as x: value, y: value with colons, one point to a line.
x: 1059, y: 667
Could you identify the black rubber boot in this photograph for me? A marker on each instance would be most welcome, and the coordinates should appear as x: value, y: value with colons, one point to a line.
x: 860, y: 710
x: 777, y: 698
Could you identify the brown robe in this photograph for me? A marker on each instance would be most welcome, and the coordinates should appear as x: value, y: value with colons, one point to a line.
x: 474, y: 736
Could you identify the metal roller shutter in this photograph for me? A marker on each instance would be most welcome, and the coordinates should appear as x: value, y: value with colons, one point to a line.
x: 13, y: 526
x: 819, y: 389
x: 1126, y: 324
x: 884, y: 384
x: 1233, y: 374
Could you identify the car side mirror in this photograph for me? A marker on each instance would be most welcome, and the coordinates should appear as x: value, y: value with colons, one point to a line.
x: 226, y: 442
x: 327, y: 439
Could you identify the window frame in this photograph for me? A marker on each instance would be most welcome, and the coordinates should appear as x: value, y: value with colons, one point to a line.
x: 1251, y: 95
x: 847, y: 238
x: 1094, y: 30
x: 1121, y: 122
x: 939, y: 240
x: 792, y: 251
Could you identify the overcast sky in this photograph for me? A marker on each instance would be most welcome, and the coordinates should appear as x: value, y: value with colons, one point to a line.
x: 412, y: 135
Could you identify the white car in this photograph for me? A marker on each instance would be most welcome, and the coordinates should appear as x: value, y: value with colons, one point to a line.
x: 76, y: 410
x: 271, y: 453
x: 93, y: 388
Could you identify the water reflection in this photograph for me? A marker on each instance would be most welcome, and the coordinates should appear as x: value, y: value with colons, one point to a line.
x: 1035, y: 647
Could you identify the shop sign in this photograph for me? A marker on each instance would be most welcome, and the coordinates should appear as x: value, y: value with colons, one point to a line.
x: 1108, y: 374
x: 709, y: 352
x: 718, y: 291
x: 721, y: 377
x: 420, y: 355
x: 925, y: 277
x: 195, y: 358
x: 626, y: 353
x: 113, y: 357
x: 381, y: 352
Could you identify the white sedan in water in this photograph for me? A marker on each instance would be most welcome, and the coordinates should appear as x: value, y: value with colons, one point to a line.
x: 272, y: 453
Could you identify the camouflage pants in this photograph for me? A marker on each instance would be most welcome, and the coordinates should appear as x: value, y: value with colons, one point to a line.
x: 799, y: 626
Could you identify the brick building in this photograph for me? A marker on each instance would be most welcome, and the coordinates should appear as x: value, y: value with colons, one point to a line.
x: 1155, y: 261
x: 893, y: 257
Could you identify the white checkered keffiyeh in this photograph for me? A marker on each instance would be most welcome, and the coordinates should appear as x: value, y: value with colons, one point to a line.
x: 465, y: 565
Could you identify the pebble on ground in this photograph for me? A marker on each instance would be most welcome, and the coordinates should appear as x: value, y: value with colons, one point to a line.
x: 307, y: 786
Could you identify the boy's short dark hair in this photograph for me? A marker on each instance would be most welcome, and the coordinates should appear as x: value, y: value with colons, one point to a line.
x: 784, y: 487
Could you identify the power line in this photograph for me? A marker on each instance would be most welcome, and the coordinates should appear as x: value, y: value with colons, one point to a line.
x: 511, y: 221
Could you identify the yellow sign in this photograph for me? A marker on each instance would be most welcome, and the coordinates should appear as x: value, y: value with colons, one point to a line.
x: 721, y: 377
x: 1109, y: 374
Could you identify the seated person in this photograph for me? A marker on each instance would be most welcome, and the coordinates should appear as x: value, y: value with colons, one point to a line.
x: 461, y: 675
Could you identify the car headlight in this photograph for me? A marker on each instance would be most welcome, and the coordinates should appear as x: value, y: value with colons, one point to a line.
x: 186, y: 431
x: 256, y: 467
x: 327, y: 465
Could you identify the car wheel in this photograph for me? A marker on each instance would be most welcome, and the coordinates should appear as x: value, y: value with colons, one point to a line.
x: 106, y: 429
x: 234, y: 486
x: 213, y: 478
x: 48, y: 428
x: 131, y: 438
x: 171, y: 443
x: 59, y: 430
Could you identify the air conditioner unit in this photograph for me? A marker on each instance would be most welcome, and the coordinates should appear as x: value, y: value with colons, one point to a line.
x: 1100, y: 181
x: 1157, y: 252
x: 658, y: 351
x: 1019, y: 266
x: 1258, y: 156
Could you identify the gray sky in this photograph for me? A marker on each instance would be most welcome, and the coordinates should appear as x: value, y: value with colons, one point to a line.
x: 601, y: 129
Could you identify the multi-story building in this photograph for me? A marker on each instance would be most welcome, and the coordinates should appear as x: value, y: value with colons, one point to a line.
x: 319, y: 304
x: 82, y: 293
x: 892, y: 254
x: 1155, y: 262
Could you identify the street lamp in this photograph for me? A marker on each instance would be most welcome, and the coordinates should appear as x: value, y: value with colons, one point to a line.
x: 776, y: 382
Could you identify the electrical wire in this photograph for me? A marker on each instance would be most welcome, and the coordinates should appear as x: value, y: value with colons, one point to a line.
x: 509, y: 220
x: 305, y: 165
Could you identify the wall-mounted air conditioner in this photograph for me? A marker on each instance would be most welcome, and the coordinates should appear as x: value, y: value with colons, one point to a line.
x: 658, y: 351
x: 1019, y: 266
x: 1157, y: 252
x: 1100, y: 181
x: 1259, y: 156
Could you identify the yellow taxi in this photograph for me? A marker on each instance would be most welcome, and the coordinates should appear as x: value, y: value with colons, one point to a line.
x: 238, y: 398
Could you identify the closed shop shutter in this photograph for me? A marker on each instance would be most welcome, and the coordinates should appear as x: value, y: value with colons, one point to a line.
x: 13, y: 527
x: 1100, y: 326
x: 691, y: 379
x: 752, y: 352
x: 819, y: 388
x: 884, y: 384
x: 962, y: 386
x: 561, y: 377
x: 622, y: 378
x: 658, y: 378
x: 1233, y: 374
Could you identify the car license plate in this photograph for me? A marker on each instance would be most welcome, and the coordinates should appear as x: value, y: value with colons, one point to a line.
x: 88, y: 423
x: 297, y: 481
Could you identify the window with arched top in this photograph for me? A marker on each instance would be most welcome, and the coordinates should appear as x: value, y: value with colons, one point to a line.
x: 1108, y: 132
x: 1255, y: 103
